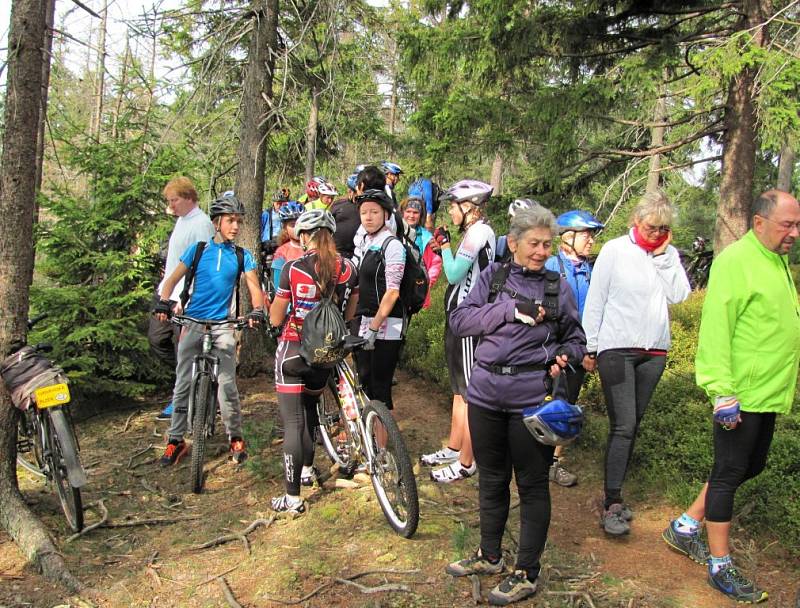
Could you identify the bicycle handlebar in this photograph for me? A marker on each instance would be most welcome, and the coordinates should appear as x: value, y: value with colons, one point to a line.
x: 36, y: 319
x: 183, y: 320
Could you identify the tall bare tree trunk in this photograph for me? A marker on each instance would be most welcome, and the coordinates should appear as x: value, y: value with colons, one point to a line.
x: 739, y: 148
x: 256, y: 122
x: 99, y: 85
x: 496, y: 180
x: 786, y: 168
x: 311, y: 133
x: 17, y: 194
x: 656, y: 141
x: 49, y: 20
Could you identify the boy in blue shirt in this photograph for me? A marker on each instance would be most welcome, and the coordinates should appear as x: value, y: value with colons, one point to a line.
x: 214, y: 289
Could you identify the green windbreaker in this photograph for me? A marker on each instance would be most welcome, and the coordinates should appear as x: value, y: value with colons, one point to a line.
x: 749, y: 343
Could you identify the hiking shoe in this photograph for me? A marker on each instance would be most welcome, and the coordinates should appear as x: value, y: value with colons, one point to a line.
x: 730, y: 581
x: 454, y: 471
x: 613, y: 522
x: 690, y: 545
x: 308, y: 479
x: 561, y: 476
x: 285, y: 504
x: 476, y: 564
x: 439, y: 457
x: 238, y: 453
x: 174, y: 452
x: 626, y: 513
x: 166, y: 413
x: 513, y: 588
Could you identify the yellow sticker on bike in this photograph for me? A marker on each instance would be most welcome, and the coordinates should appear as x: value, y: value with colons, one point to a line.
x: 50, y: 396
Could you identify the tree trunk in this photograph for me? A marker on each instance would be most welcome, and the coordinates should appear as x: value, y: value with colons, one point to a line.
x: 786, y: 168
x: 739, y: 146
x: 255, y: 125
x: 656, y: 141
x: 17, y: 196
x: 496, y: 180
x: 49, y: 20
x: 311, y: 133
x: 99, y: 85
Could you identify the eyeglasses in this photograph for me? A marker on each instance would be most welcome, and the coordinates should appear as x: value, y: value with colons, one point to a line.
x: 787, y: 226
x: 649, y: 228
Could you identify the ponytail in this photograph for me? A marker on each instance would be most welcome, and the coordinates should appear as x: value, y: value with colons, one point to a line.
x: 327, y: 258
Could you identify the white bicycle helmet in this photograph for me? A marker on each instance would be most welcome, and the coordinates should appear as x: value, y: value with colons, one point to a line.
x: 327, y: 189
x: 521, y: 203
x: 313, y: 220
x: 469, y: 191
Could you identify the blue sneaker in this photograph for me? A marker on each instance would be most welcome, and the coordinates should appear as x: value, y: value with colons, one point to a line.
x: 730, y: 582
x: 166, y: 413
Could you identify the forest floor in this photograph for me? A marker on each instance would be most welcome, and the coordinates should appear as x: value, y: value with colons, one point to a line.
x: 310, y: 560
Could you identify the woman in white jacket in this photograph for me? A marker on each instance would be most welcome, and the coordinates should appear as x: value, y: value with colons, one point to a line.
x: 626, y: 321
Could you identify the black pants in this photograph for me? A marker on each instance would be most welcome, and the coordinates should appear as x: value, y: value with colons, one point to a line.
x: 163, y: 339
x: 574, y: 379
x: 739, y: 455
x: 376, y: 369
x: 502, y: 444
x: 629, y: 378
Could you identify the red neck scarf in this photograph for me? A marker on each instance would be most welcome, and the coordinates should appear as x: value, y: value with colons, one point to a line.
x: 647, y: 245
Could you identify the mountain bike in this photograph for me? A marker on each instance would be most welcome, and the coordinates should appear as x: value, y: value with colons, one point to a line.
x: 203, y: 402
x: 697, y: 263
x: 359, y: 432
x: 46, y: 441
x: 265, y: 273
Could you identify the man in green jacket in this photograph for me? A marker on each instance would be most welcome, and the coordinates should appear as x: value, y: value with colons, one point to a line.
x: 747, y: 360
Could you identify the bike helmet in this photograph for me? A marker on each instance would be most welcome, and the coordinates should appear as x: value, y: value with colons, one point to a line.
x: 578, y: 221
x: 315, y: 219
x: 555, y: 422
x: 312, y: 186
x: 521, y: 203
x: 291, y: 211
x: 392, y: 168
x: 352, y: 181
x: 469, y: 191
x: 376, y: 196
x: 227, y: 204
x: 327, y: 189
x: 281, y: 196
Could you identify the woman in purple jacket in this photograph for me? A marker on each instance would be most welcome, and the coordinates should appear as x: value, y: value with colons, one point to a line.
x: 527, y: 336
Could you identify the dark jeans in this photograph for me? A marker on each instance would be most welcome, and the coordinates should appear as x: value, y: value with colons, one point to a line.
x: 376, y: 369
x: 629, y: 378
x: 163, y: 339
x: 739, y: 455
x: 502, y: 443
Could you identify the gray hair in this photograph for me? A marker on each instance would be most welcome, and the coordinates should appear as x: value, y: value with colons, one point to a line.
x: 528, y: 219
x: 654, y: 206
x: 764, y: 204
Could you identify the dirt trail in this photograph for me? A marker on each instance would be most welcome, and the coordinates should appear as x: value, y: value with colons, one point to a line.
x: 342, y: 534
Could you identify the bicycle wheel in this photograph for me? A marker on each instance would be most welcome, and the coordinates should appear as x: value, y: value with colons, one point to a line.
x: 392, y: 474
x: 30, y: 455
x: 335, y: 433
x: 62, y: 447
x: 201, y: 394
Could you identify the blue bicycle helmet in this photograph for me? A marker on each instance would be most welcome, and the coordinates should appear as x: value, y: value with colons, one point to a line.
x: 352, y: 181
x: 291, y: 211
x: 555, y: 422
x: 578, y: 221
x: 392, y: 168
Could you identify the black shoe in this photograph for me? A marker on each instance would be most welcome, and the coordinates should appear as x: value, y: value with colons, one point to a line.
x: 729, y: 581
x: 513, y: 588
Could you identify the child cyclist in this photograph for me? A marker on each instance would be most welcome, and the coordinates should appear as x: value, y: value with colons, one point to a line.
x: 303, y: 282
x: 289, y: 242
x: 214, y: 288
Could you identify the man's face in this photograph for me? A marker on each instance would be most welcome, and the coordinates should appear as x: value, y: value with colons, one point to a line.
x: 780, y: 230
x: 179, y: 205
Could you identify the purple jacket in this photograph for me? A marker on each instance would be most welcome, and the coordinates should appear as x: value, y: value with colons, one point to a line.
x: 505, y: 341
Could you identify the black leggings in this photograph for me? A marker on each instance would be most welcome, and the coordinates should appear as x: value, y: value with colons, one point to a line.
x: 298, y: 391
x: 739, y: 455
x: 376, y: 369
x: 502, y: 443
x: 629, y: 378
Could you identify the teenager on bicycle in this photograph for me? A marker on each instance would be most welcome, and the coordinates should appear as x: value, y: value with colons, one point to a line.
x: 289, y: 247
x: 476, y: 252
x: 303, y: 282
x: 214, y: 288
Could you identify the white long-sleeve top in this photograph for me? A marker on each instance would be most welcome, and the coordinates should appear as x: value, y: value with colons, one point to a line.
x: 626, y: 306
x: 191, y: 228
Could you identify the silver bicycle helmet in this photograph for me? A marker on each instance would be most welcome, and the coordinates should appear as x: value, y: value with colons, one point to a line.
x: 227, y: 204
x: 313, y: 220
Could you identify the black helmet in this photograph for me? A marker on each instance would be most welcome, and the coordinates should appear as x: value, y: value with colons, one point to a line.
x: 226, y: 204
x: 376, y: 196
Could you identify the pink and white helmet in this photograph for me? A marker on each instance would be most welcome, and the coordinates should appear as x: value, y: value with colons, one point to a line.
x: 327, y: 189
x: 469, y: 191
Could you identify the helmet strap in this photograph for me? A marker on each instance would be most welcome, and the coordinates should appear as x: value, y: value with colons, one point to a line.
x: 471, y: 216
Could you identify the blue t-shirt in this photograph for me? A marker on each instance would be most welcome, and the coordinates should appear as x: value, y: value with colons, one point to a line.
x: 270, y: 225
x: 214, y: 279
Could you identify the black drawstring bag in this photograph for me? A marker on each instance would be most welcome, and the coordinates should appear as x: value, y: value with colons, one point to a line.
x: 324, y: 331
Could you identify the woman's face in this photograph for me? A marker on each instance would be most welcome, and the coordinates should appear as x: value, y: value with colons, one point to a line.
x: 290, y: 229
x: 578, y: 243
x: 411, y: 216
x: 457, y: 212
x: 650, y: 229
x: 373, y: 217
x: 532, y: 248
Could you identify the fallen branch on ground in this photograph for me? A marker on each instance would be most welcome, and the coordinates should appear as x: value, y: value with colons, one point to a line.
x: 575, y: 595
x: 226, y: 591
x: 128, y: 421
x: 101, y: 505
x: 137, y: 454
x: 349, y: 581
x: 104, y: 523
x: 378, y: 589
x: 241, y: 536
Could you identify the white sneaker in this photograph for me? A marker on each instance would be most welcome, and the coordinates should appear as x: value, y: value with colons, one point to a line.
x: 443, y: 456
x: 287, y: 504
x: 454, y: 471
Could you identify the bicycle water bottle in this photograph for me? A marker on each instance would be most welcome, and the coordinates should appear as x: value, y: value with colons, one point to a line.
x: 348, y: 400
x: 208, y: 343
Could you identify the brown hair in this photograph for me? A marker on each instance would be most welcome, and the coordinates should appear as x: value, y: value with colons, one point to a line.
x: 327, y: 258
x: 181, y: 186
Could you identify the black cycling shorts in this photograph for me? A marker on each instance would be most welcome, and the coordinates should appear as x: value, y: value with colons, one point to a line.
x: 460, y: 355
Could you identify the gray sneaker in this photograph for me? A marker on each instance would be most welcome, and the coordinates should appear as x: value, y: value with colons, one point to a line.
x: 613, y: 522
x: 690, y: 545
x: 560, y: 475
x: 477, y: 564
x: 513, y: 588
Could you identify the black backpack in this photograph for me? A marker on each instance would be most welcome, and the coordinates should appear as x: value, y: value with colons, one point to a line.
x: 189, y: 278
x: 324, y: 330
x: 414, y: 285
x: 552, y: 287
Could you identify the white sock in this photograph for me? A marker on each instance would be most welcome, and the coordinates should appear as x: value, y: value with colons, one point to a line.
x: 293, y: 500
x: 307, y: 471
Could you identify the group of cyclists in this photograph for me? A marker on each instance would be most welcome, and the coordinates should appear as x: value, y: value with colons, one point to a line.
x: 523, y: 325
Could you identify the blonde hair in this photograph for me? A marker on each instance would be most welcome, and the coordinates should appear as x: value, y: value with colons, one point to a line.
x: 654, y: 206
x: 180, y: 186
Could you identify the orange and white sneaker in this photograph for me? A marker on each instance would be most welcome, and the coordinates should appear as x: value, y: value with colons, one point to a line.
x: 176, y: 449
x: 238, y: 453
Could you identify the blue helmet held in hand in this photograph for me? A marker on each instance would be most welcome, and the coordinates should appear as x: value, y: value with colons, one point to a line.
x: 291, y: 211
x: 555, y: 422
x: 578, y: 221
